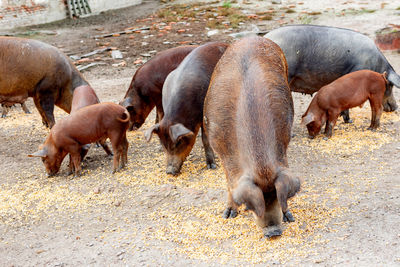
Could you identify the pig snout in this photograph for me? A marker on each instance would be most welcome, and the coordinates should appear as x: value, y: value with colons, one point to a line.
x: 174, y: 164
x: 389, y: 104
x: 271, y: 222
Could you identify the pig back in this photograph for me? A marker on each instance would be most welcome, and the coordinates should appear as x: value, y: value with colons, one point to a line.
x: 24, y: 63
x: 185, y: 88
x: 90, y: 123
x: 249, y: 108
x: 318, y: 55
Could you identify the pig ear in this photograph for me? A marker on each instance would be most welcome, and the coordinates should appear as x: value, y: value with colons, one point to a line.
x: 178, y: 131
x: 40, y: 153
x: 250, y: 194
x: 149, y: 132
x: 286, y: 187
x: 307, y: 119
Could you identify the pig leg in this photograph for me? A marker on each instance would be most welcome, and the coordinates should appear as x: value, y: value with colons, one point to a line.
x: 116, y: 143
x: 105, y: 147
x: 331, y: 122
x: 125, y: 152
x: 6, y: 109
x: 76, y: 159
x: 210, y: 158
x: 159, y: 115
x: 71, y: 168
x: 286, y: 187
x: 45, y: 106
x: 84, y: 150
x: 25, y: 108
x: 346, y: 116
x: 376, y: 110
x: 231, y: 210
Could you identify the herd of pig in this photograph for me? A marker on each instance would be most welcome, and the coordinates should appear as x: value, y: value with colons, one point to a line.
x: 238, y: 94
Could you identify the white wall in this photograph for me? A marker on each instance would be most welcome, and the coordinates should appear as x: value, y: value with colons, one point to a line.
x: 18, y: 13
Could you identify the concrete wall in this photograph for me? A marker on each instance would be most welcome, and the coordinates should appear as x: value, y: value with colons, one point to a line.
x: 18, y: 13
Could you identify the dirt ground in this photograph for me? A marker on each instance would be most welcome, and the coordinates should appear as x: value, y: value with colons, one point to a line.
x: 347, y: 212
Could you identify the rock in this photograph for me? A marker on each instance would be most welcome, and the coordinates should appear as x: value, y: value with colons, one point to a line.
x: 116, y: 54
x: 212, y: 32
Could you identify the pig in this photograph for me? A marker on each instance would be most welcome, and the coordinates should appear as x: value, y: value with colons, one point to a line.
x: 348, y: 91
x: 31, y: 68
x: 145, y: 90
x: 318, y: 55
x: 248, y: 116
x: 182, y: 100
x: 87, y: 125
x: 84, y: 96
x: 7, y: 106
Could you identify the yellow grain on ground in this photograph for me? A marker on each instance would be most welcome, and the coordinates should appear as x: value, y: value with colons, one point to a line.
x: 349, y: 138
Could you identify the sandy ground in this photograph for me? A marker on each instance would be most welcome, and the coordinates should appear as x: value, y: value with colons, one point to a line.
x: 347, y: 212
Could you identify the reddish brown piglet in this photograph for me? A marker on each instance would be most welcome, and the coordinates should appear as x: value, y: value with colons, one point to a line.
x: 349, y: 91
x: 145, y: 90
x: 183, y: 99
x: 248, y: 116
x: 84, y: 96
x: 84, y: 126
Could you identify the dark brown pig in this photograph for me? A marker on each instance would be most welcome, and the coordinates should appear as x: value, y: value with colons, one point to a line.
x: 183, y: 98
x: 87, y: 125
x: 349, y: 91
x: 7, y: 106
x: 248, y: 116
x: 145, y: 90
x: 30, y: 68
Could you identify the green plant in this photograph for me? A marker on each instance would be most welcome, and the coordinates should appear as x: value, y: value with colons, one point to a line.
x: 227, y: 4
x: 305, y: 19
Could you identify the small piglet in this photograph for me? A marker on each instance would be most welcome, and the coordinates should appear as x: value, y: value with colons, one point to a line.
x: 84, y: 126
x: 349, y: 91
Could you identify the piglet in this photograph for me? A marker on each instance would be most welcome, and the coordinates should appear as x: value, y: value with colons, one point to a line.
x: 83, y: 96
x: 87, y: 125
x: 349, y: 91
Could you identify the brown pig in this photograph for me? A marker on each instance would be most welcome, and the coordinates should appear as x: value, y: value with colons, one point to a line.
x: 83, y: 96
x: 248, y: 116
x: 183, y: 98
x: 145, y: 90
x: 348, y: 91
x: 87, y: 125
x: 31, y: 68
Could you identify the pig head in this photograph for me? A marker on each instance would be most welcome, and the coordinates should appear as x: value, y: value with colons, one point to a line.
x: 52, y: 156
x: 177, y: 141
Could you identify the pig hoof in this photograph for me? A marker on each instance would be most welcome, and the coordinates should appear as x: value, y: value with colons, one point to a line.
x: 272, y: 231
x: 229, y: 213
x: 288, y: 217
x: 311, y: 137
x: 372, y: 128
x: 212, y: 166
x: 348, y: 121
x: 3, y: 116
x: 172, y: 170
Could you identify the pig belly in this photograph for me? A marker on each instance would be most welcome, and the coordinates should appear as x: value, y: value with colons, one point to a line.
x: 13, y: 99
